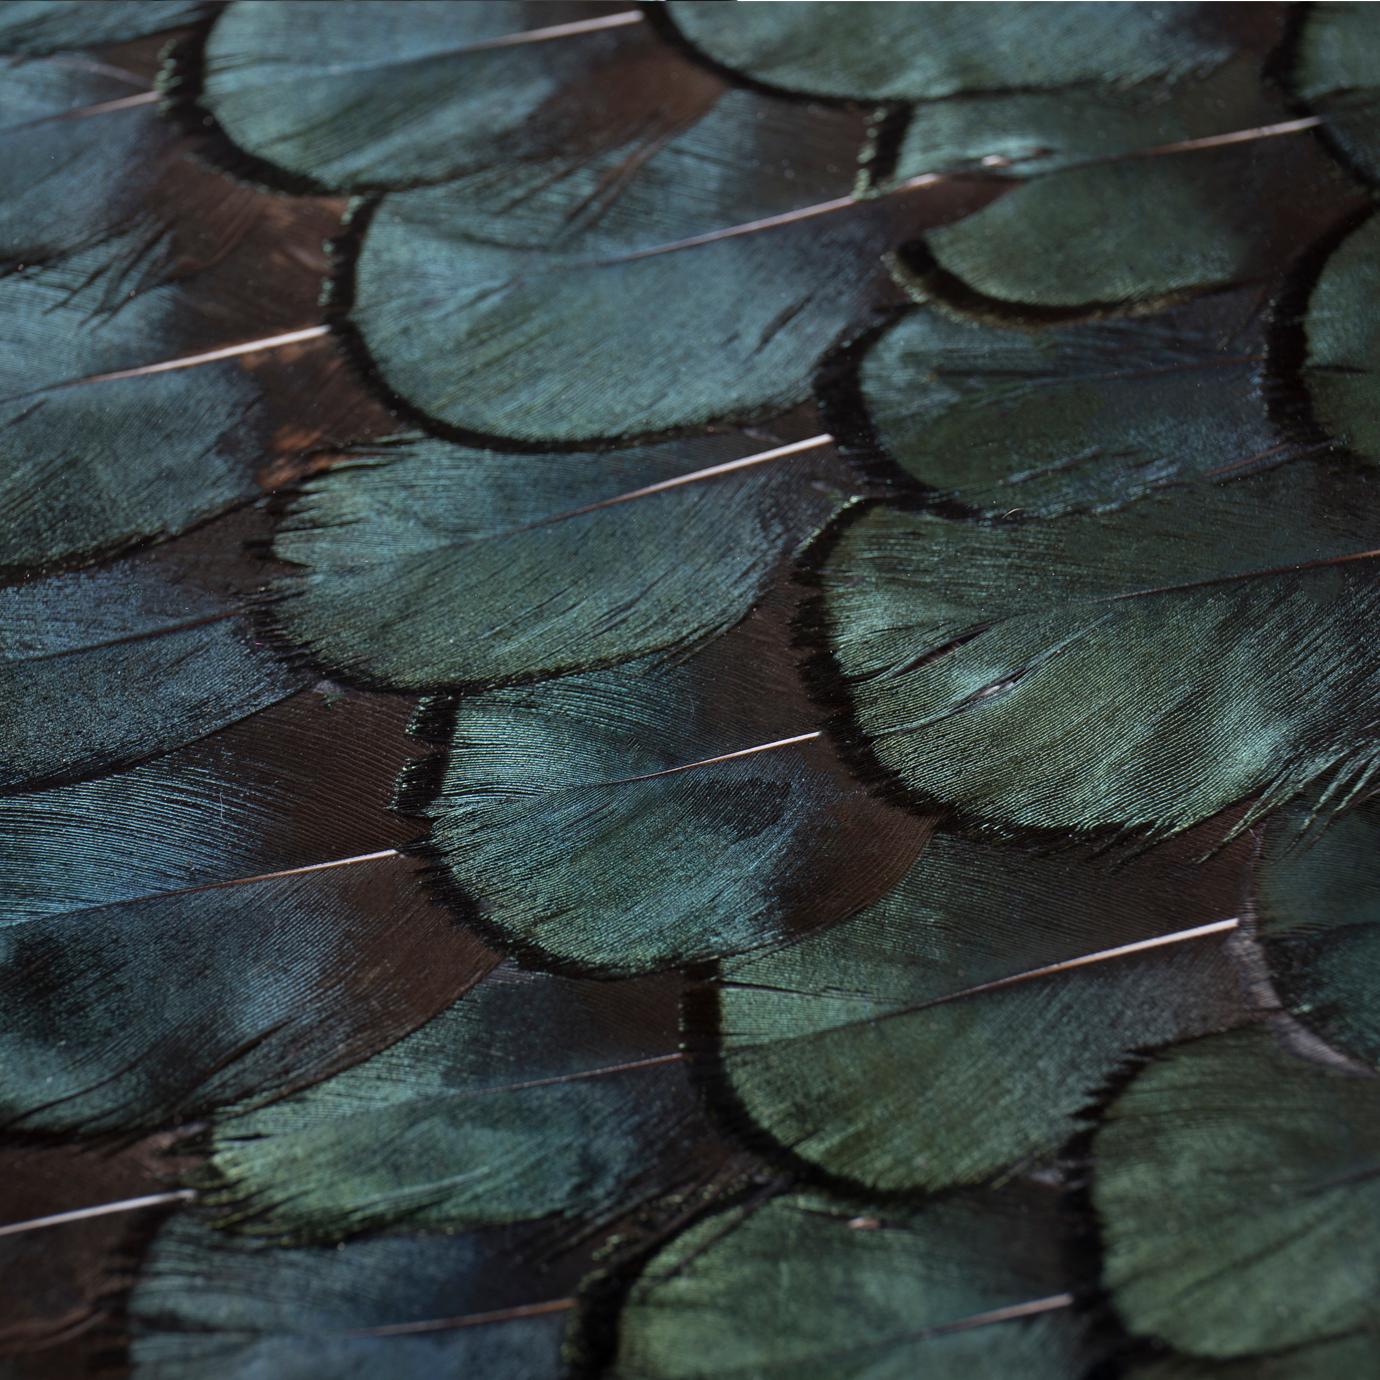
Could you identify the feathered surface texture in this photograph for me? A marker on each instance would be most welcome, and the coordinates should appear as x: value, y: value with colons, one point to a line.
x: 689, y: 691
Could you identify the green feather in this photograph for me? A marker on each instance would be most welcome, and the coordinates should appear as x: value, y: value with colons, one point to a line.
x: 532, y: 1096
x: 1069, y: 418
x: 104, y: 668
x: 904, y: 52
x: 1159, y: 662
x: 134, y: 1014
x: 374, y: 94
x: 1025, y: 132
x: 818, y: 1289
x: 1337, y: 72
x: 1317, y: 907
x: 1343, y: 341
x: 212, y: 1307
x: 40, y: 26
x: 877, y: 1053
x: 561, y: 815
x: 433, y: 565
x: 1332, y: 1360
x: 1137, y: 230
x: 528, y: 314
x: 1237, y: 1190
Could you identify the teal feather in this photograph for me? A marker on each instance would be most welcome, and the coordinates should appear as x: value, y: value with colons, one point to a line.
x: 212, y: 1307
x: 565, y: 275
x: 1072, y: 418
x: 373, y: 96
x: 909, y: 54
x: 1343, y: 344
x: 565, y: 814
x: 280, y: 982
x: 1350, y: 1355
x: 527, y: 565
x: 39, y: 26
x: 531, y: 1097
x: 1335, y: 72
x: 91, y: 466
x: 967, y: 651
x: 1317, y: 904
x: 897, y: 906
x: 96, y: 170
x: 244, y: 801
x: 102, y: 669
x: 877, y: 1053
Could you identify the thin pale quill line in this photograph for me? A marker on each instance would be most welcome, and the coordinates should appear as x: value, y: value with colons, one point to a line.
x: 58, y: 1219
x: 247, y: 347
x: 575, y: 26
x: 238, y: 881
x: 722, y: 757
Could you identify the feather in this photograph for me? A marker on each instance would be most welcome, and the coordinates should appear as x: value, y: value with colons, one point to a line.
x: 214, y: 1307
x: 1334, y: 71
x: 111, y: 276
x: 1343, y: 346
x: 564, y: 275
x: 96, y: 170
x: 1050, y: 242
x: 1084, y: 417
x: 533, y: 1096
x: 967, y: 651
x: 548, y: 566
x: 74, y: 1273
x: 38, y: 26
x: 370, y: 96
x: 1315, y: 909
x: 101, y: 669
x: 1230, y: 1171
x: 1351, y: 1355
x: 281, y: 981
x: 956, y: 1028
x: 734, y: 736
x: 883, y: 54
x: 875, y: 1293
x: 608, y: 822
x: 186, y: 426
x: 1024, y: 132
x: 248, y: 800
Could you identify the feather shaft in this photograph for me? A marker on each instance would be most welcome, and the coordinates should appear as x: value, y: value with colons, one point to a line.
x: 58, y: 1219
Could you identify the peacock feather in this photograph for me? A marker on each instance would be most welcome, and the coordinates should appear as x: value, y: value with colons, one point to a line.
x: 689, y: 691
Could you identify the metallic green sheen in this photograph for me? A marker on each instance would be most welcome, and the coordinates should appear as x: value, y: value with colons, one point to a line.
x: 1336, y: 71
x: 1317, y: 917
x: 1343, y: 342
x: 1067, y: 418
x: 103, y: 668
x: 515, y: 1103
x: 875, y: 1052
x: 430, y: 565
x: 376, y: 94
x: 818, y: 1289
x: 1158, y: 663
x: 1236, y: 1188
x: 40, y: 26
